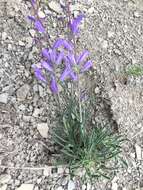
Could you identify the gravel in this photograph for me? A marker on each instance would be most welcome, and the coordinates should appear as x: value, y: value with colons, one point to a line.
x: 112, y: 31
x: 26, y: 187
x: 4, y: 98
x: 43, y: 129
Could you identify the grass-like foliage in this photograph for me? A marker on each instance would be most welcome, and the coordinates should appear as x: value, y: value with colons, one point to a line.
x: 82, y: 145
x: 88, y: 148
x: 135, y: 71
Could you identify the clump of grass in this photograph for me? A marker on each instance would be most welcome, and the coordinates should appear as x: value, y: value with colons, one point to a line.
x: 89, y: 149
x: 135, y: 71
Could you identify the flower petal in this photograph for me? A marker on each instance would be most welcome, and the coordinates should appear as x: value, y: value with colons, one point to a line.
x: 39, y: 26
x: 53, y: 55
x: 53, y: 85
x: 87, y: 66
x: 62, y: 42
x: 75, y: 24
x: 60, y: 58
x: 73, y: 76
x: 82, y: 57
x: 38, y: 74
x: 45, y: 53
x: 33, y: 2
x: 72, y: 59
x: 66, y: 72
x: 47, y: 66
x: 32, y: 18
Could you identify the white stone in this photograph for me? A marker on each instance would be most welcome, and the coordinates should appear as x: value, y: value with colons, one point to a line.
x: 32, y: 32
x: 114, y: 186
x: 60, y: 170
x: 83, y: 187
x: 4, y: 98
x: 26, y: 187
x: 41, y: 91
x: 71, y: 185
x: 75, y: 7
x: 22, y: 92
x: 55, y: 7
x: 88, y: 186
x: 47, y: 171
x: 138, y: 152
x: 4, y: 187
x: 136, y: 14
x: 117, y: 51
x: 104, y: 44
x: 37, y: 112
x: 43, y: 129
x: 110, y: 34
x: 91, y: 10
x: 41, y: 14
x: 9, y: 47
x: 21, y: 43
x: 1, y: 135
x: 60, y: 188
x: 5, y: 178
x: 97, y: 90
x: 4, y: 36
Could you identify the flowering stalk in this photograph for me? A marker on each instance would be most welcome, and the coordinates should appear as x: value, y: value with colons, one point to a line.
x: 62, y: 52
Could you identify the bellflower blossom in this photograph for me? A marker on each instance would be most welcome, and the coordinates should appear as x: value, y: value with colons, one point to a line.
x: 37, y: 23
x: 74, y: 24
x: 38, y: 73
x: 63, y: 43
x: 53, y: 85
x: 33, y: 2
x: 76, y: 65
x: 51, y: 59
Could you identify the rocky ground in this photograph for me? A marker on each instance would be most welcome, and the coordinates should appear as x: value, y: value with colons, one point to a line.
x: 113, y: 32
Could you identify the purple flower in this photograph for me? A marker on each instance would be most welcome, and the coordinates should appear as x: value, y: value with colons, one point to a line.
x: 75, y: 66
x: 83, y: 56
x: 53, y: 56
x: 87, y: 66
x: 39, y: 26
x: 33, y: 2
x: 38, y: 73
x: 74, y: 24
x: 47, y: 66
x: 62, y: 42
x: 72, y: 59
x: 45, y: 53
x: 37, y: 23
x: 73, y: 76
x: 66, y: 72
x: 53, y: 85
x: 60, y: 58
x: 32, y: 18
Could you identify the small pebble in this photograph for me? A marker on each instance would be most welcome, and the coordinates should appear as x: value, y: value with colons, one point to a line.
x: 71, y: 185
x: 136, y: 14
x: 43, y: 129
x: 26, y: 187
x: 21, y: 43
x: 55, y: 7
x: 4, y: 98
x: 138, y: 152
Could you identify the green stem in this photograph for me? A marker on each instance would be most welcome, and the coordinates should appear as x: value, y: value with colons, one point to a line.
x: 80, y: 107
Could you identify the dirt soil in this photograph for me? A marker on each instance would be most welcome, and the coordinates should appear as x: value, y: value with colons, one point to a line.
x: 113, y: 33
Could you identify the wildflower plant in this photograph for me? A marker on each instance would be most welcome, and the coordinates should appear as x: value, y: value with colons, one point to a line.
x: 82, y: 144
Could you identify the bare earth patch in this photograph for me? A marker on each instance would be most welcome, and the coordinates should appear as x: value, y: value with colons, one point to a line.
x: 113, y: 33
